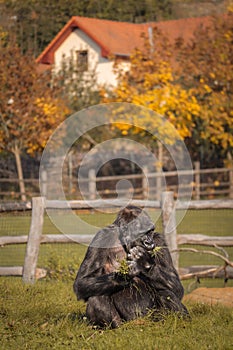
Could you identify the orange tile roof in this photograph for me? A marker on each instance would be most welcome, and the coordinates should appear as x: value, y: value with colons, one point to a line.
x: 120, y: 38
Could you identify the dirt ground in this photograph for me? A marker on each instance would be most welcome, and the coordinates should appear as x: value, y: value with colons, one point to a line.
x: 222, y: 296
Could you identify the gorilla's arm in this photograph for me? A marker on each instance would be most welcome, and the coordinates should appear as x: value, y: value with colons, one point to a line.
x: 156, y: 266
x: 93, y: 278
x: 97, y: 274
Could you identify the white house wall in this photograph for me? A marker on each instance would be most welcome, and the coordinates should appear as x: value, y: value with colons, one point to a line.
x: 78, y: 40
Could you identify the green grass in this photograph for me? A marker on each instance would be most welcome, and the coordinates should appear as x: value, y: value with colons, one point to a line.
x: 48, y: 316
x: 211, y: 222
x: 207, y: 222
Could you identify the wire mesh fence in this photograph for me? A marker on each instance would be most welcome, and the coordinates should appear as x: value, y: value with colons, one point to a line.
x: 62, y: 260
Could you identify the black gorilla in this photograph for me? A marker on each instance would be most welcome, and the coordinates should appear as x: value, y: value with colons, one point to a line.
x: 151, y: 283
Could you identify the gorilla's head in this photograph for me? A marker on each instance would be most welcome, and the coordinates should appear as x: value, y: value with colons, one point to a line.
x: 134, y: 225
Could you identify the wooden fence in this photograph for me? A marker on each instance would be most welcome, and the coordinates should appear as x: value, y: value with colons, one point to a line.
x: 206, y: 184
x: 167, y: 204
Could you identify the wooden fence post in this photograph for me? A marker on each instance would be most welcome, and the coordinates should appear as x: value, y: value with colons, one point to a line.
x: 44, y: 182
x: 169, y: 224
x: 158, y: 181
x: 231, y: 183
x: 197, y: 180
x: 34, y: 237
x: 92, y: 184
x: 145, y: 183
x: 70, y: 173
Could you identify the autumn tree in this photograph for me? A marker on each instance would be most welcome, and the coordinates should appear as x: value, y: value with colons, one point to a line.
x: 29, y: 106
x: 150, y: 82
x: 207, y: 67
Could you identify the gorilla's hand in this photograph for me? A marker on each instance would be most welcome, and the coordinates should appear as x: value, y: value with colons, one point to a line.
x: 139, y: 260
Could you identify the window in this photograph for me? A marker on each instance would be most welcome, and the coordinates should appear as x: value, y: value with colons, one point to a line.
x: 82, y: 60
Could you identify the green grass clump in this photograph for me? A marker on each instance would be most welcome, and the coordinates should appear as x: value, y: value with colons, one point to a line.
x: 156, y: 251
x: 48, y: 316
x: 123, y: 268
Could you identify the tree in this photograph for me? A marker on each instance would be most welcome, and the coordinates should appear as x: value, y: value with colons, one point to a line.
x: 77, y: 85
x: 207, y: 67
x: 150, y: 82
x: 30, y: 108
x: 36, y: 22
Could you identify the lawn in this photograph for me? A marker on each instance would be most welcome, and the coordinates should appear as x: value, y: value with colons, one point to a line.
x: 48, y: 316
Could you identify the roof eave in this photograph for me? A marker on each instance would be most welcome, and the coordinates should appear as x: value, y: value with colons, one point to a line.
x: 105, y: 52
x: 47, y: 56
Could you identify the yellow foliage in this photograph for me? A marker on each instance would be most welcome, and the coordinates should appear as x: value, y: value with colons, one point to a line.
x: 230, y: 6
x: 157, y: 92
x: 202, y: 103
x: 3, y: 35
x: 50, y: 113
x: 207, y: 88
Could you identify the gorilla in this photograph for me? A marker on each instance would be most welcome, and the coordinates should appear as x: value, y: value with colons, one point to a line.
x: 127, y: 272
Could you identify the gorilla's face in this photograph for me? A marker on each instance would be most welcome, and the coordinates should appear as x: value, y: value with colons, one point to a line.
x: 135, y: 225
x: 147, y: 241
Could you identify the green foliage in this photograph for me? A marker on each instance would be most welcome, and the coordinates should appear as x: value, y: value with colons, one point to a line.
x: 36, y: 22
x: 156, y: 251
x: 123, y: 268
x: 59, y: 268
x: 78, y: 87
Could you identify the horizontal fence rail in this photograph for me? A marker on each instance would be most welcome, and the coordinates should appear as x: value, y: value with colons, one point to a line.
x: 111, y: 203
x: 55, y: 238
x: 100, y: 203
x: 191, y: 239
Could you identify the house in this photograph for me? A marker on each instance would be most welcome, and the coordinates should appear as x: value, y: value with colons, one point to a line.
x: 94, y: 42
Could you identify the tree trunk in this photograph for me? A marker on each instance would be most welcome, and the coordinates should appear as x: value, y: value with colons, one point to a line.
x: 16, y: 152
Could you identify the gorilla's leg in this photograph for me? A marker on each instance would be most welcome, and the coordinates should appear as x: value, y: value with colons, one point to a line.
x: 133, y: 302
x: 169, y: 301
x: 102, y: 312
